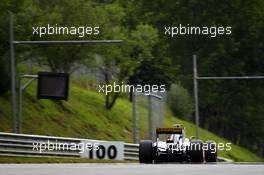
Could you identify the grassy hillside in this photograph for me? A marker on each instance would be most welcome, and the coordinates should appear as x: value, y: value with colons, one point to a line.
x: 84, y: 116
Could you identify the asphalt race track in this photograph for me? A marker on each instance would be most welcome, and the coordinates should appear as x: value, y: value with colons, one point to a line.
x: 131, y: 169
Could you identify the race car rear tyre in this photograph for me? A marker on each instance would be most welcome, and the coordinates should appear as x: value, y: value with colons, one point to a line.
x: 145, y: 151
x: 196, y: 151
x: 210, y: 152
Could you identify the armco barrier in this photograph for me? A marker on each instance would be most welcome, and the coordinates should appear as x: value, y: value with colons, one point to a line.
x: 30, y: 145
x: 25, y: 145
x: 131, y: 151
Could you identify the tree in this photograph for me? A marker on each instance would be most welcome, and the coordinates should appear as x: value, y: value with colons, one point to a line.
x: 227, y: 107
x: 137, y: 46
x: 180, y: 101
x: 5, y: 6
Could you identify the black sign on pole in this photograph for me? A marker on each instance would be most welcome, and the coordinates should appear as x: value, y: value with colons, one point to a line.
x: 53, y: 85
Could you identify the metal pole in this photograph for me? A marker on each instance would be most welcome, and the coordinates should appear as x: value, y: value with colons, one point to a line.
x: 134, y: 117
x: 20, y: 98
x: 195, y: 88
x: 20, y: 102
x: 160, y: 113
x: 231, y: 78
x: 69, y: 42
x: 150, y: 116
x: 12, y: 72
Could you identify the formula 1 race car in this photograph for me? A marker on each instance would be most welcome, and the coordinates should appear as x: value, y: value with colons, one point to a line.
x: 176, y: 148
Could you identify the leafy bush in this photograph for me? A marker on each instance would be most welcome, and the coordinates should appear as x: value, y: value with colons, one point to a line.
x: 180, y: 101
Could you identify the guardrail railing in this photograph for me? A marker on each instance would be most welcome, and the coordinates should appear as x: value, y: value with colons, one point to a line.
x: 131, y: 151
x: 23, y: 145
x: 29, y: 145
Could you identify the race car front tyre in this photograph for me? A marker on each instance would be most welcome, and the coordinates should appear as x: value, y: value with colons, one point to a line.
x: 196, y: 151
x: 145, y: 151
x: 210, y: 151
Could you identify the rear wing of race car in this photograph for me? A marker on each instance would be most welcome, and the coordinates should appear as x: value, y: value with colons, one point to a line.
x: 178, y: 130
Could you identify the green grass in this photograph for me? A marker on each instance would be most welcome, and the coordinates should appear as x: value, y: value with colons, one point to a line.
x: 84, y: 116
